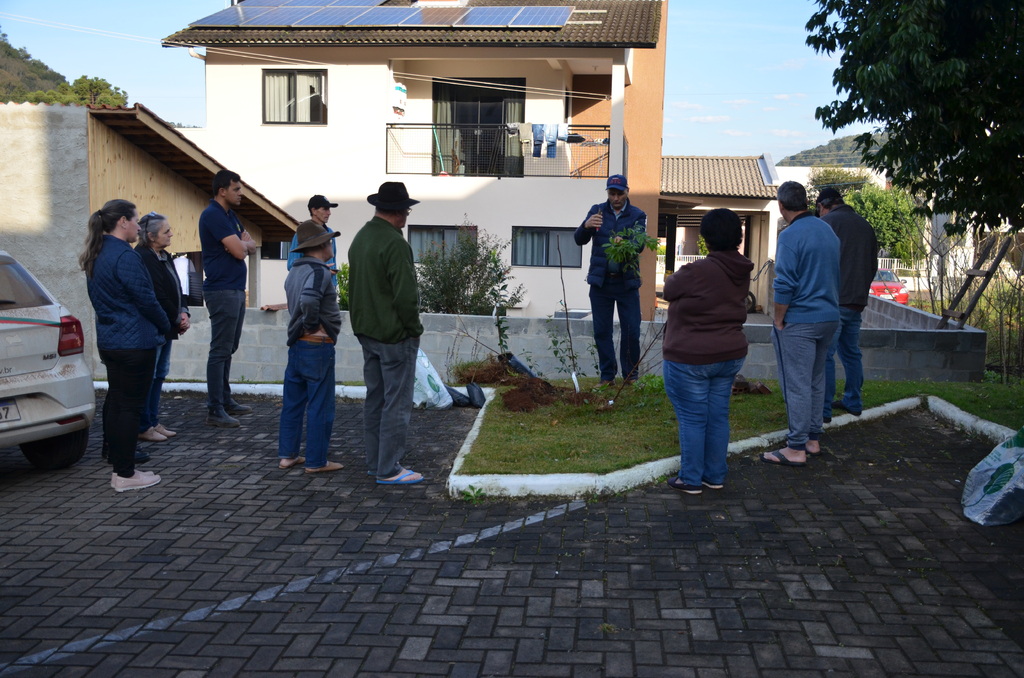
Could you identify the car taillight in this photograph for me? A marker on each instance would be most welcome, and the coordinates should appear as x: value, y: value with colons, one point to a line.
x: 72, y: 340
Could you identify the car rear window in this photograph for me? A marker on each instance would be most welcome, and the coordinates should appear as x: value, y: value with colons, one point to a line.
x: 18, y: 289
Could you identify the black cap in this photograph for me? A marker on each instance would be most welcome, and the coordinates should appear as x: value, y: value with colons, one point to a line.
x: 319, y: 201
x: 829, y: 196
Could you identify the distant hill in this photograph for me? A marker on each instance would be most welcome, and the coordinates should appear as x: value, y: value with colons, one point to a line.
x: 841, y: 151
x: 21, y: 74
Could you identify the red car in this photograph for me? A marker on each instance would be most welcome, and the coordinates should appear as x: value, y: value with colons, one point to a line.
x: 887, y: 286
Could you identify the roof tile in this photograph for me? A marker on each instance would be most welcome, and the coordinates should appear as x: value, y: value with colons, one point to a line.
x: 726, y: 177
x: 626, y: 23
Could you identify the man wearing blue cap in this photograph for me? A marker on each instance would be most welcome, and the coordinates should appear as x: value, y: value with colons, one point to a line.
x: 614, y: 283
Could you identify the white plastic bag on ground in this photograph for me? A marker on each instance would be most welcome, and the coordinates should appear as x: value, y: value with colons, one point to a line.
x: 994, y: 489
x: 429, y: 391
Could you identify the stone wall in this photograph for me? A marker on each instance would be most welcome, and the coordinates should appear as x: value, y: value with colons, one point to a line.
x: 889, y: 354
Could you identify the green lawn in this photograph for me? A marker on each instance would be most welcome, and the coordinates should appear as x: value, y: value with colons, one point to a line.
x: 641, y: 426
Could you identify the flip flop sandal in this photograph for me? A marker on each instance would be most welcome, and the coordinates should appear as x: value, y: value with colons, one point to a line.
x: 402, y: 479
x: 779, y: 459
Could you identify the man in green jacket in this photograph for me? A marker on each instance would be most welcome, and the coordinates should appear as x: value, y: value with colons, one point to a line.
x: 384, y: 311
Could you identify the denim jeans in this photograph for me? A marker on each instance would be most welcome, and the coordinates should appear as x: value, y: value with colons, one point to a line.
x: 603, y: 302
x: 846, y: 343
x: 700, y: 396
x: 227, y: 313
x: 151, y: 410
x: 389, y: 371
x: 129, y: 374
x: 309, y: 391
x: 800, y: 350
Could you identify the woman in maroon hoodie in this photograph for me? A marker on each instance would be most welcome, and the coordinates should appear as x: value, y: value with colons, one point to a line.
x: 704, y: 348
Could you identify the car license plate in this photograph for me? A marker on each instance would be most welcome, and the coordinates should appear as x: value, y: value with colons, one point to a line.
x: 9, y: 411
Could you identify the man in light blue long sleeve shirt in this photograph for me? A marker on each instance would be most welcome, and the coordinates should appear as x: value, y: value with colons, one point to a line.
x: 806, y: 317
x: 319, y: 213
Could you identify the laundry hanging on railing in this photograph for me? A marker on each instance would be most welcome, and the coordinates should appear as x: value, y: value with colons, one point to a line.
x: 547, y: 136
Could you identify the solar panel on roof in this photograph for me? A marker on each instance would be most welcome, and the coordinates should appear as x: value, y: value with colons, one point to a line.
x: 356, y: 3
x: 383, y: 16
x: 542, y: 16
x: 279, y: 16
x: 302, y: 3
x: 331, y: 16
x: 232, y: 16
x: 489, y: 16
x: 436, y: 16
x: 261, y: 3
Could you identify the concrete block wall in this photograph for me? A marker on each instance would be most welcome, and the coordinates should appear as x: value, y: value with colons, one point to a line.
x: 889, y: 353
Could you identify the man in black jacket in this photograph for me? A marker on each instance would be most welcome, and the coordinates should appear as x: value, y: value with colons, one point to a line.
x: 858, y: 262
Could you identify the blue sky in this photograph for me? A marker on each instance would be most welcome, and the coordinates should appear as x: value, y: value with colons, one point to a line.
x: 740, y: 79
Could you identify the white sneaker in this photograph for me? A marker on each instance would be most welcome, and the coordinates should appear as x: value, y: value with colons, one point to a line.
x: 140, y: 480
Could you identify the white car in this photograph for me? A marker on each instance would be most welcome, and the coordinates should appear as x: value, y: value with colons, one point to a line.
x: 47, y: 401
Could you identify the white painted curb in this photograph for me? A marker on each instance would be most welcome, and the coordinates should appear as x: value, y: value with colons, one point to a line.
x: 582, y: 484
x: 968, y: 422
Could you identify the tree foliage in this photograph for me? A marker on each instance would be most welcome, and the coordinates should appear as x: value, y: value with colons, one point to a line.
x: 842, y: 179
x: 85, y: 90
x: 893, y: 215
x: 942, y: 79
x: 467, y: 277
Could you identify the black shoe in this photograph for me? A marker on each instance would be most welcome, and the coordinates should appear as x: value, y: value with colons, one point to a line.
x: 221, y: 419
x: 141, y: 457
x: 677, y: 484
x: 237, y: 408
x: 838, y: 405
x: 826, y: 420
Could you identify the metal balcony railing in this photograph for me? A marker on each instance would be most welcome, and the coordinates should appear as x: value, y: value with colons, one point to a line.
x: 579, y: 151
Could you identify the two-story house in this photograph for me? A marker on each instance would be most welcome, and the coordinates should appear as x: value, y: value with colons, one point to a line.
x: 507, y: 114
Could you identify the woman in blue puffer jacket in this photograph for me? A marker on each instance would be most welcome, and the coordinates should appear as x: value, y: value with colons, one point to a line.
x: 129, y: 326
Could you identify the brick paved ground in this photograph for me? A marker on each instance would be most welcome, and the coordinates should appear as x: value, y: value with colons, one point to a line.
x: 859, y: 565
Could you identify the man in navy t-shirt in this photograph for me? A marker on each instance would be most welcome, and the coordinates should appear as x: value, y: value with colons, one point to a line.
x: 225, y: 248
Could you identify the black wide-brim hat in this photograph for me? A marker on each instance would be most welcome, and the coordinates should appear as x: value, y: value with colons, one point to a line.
x: 391, y: 196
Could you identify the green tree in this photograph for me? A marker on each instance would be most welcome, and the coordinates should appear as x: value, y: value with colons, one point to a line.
x: 85, y: 90
x: 942, y: 79
x: 893, y: 215
x: 467, y: 276
x: 842, y: 179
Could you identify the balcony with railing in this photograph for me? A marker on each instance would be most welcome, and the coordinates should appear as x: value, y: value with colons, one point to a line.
x: 577, y: 151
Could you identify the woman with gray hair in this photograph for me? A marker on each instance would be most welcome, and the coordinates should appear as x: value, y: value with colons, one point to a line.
x: 154, y: 238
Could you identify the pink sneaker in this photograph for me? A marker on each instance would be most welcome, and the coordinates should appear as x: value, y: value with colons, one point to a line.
x: 140, y: 480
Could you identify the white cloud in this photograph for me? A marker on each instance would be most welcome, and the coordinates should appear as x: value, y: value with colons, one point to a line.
x: 738, y: 102
x: 685, y: 105
x: 787, y: 97
x: 792, y: 133
x: 771, y: 108
x: 708, y: 118
x: 735, y: 133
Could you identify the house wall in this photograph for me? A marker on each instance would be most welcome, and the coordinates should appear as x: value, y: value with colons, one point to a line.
x: 345, y: 159
x: 45, y: 205
x: 644, y: 112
